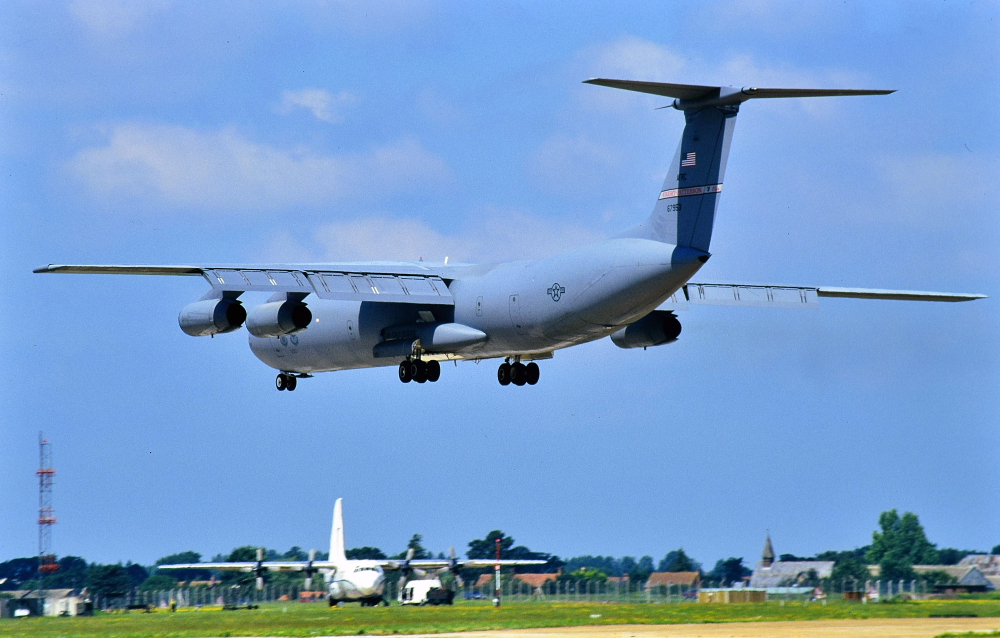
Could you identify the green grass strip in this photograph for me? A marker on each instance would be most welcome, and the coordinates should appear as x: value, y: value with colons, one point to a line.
x: 297, y: 619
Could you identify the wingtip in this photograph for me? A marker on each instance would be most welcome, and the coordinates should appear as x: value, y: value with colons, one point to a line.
x: 44, y: 268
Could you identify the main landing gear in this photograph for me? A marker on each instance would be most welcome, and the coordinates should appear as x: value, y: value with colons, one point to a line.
x: 518, y: 373
x: 285, y: 381
x: 419, y: 371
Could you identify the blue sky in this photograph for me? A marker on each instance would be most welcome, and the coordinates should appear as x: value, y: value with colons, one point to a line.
x: 169, y: 132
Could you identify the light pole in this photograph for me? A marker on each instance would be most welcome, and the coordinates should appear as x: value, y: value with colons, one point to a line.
x: 496, y: 592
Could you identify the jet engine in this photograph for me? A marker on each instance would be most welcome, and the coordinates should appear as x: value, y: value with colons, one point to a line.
x: 279, y: 318
x: 212, y: 316
x: 655, y: 329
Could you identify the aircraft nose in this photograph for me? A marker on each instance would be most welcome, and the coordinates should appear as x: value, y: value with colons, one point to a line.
x: 373, y: 585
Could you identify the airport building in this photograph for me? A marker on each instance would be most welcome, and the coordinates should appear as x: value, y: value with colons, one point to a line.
x: 45, y: 602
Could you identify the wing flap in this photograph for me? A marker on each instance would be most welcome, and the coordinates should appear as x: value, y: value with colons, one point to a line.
x: 751, y: 295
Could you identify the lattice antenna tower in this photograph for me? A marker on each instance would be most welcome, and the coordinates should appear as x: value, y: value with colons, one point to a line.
x: 46, y: 515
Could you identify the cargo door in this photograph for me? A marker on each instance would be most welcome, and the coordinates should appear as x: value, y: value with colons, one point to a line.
x: 515, y: 314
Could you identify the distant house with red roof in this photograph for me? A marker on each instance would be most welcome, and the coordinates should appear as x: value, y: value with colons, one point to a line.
x: 536, y: 580
x: 533, y: 580
x: 689, y: 580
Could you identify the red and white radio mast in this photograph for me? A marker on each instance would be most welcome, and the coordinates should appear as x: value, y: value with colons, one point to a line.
x: 46, y: 515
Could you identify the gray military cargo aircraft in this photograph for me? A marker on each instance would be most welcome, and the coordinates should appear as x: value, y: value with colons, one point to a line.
x: 413, y: 315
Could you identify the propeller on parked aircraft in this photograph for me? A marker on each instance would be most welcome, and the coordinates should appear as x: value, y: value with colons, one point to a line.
x: 259, y: 568
x: 310, y: 570
x: 455, y: 568
x: 406, y: 570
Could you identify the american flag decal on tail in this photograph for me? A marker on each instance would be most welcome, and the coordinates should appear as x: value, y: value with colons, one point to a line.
x: 688, y: 160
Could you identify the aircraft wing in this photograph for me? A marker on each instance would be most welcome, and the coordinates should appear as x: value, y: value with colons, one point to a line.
x: 301, y: 565
x: 792, y: 296
x: 390, y: 565
x: 398, y: 282
x: 249, y: 566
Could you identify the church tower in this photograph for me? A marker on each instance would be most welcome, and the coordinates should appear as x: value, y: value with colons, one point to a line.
x: 767, y: 558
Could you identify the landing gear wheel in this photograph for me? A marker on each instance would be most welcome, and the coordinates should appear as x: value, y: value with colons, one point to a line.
x: 518, y: 375
x: 290, y: 382
x: 281, y: 382
x: 433, y: 371
x: 419, y: 371
x: 332, y: 601
x: 531, y: 373
x: 404, y: 372
x: 503, y: 374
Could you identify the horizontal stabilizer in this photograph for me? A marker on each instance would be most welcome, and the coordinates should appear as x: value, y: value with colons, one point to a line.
x: 687, y: 96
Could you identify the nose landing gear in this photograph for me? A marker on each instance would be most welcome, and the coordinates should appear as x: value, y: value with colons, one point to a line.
x: 419, y: 370
x: 518, y: 373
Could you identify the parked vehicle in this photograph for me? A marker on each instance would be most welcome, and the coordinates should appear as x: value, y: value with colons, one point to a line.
x: 425, y: 592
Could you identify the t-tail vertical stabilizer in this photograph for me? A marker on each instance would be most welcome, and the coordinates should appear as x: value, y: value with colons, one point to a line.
x: 338, y: 554
x: 685, y: 210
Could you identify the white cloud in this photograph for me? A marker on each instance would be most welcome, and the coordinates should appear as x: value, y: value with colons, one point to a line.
x: 632, y: 58
x: 324, y: 105
x: 221, y: 169
x: 628, y: 58
x: 490, y: 235
x: 114, y: 18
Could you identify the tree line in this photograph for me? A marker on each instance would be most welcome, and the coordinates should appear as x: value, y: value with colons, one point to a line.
x: 898, y: 545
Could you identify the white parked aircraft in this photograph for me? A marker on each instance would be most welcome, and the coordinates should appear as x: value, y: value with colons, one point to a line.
x: 323, y: 317
x: 350, y: 580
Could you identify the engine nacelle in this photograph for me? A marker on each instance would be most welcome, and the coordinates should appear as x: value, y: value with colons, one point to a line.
x: 655, y: 329
x: 212, y: 316
x: 279, y: 318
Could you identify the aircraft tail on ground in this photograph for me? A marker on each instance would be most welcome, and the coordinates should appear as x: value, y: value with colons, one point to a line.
x: 685, y: 210
x: 337, y: 552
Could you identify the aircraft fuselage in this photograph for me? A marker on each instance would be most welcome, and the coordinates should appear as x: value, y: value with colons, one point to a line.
x: 526, y: 308
x: 356, y: 580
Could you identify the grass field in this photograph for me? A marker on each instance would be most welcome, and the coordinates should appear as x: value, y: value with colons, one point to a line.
x: 295, y: 619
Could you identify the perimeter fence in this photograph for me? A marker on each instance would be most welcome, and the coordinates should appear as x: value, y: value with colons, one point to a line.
x: 555, y: 591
